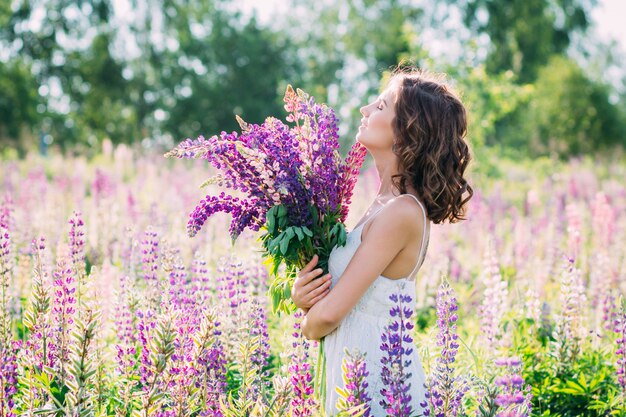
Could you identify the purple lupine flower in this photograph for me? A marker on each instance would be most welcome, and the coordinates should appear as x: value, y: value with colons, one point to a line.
x: 620, y: 353
x: 182, y: 368
x: 395, y: 338
x: 5, y: 278
x: 125, y: 349
x: 5, y: 248
x: 77, y: 242
x: 275, y: 164
x: 213, y: 380
x: 180, y: 296
x: 514, y: 398
x: 150, y: 256
x: 569, y: 330
x: 145, y: 327
x: 303, y: 401
x: 6, y: 209
x: 445, y: 391
x: 231, y: 285
x: 245, y: 213
x: 610, y: 312
x: 355, y: 393
x: 494, y: 301
x: 36, y: 318
x: 258, y: 327
x: 8, y: 377
x: 63, y: 311
x: 157, y: 347
x: 200, y: 281
x: 210, y: 377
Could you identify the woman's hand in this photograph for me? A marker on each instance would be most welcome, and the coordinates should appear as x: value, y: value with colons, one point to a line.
x: 306, y: 290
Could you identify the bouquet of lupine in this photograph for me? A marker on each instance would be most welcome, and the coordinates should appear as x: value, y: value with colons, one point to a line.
x: 292, y: 184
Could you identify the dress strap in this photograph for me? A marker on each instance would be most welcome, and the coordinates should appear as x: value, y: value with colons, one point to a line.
x: 370, y: 217
x: 425, y: 240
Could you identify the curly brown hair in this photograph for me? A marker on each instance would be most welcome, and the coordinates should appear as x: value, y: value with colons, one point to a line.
x: 430, y: 128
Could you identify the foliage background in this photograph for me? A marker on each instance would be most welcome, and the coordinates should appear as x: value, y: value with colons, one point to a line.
x: 74, y: 73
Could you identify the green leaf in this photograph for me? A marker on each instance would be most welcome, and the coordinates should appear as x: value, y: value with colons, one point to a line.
x: 282, y: 211
x: 284, y: 243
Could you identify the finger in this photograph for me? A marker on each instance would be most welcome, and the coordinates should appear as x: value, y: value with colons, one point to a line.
x: 319, y: 297
x: 321, y: 288
x: 309, y: 267
x: 313, y: 283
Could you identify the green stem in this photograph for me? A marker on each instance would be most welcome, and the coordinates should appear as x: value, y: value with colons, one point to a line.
x: 320, y: 374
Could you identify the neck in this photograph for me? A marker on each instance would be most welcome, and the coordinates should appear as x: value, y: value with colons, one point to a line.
x: 387, y: 167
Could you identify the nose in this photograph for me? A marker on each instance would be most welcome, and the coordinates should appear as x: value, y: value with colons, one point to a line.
x: 364, y: 111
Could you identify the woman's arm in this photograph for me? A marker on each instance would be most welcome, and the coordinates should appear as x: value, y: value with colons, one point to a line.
x: 388, y: 234
x: 306, y: 289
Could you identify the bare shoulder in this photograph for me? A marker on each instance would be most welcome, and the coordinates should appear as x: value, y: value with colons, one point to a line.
x: 402, y: 217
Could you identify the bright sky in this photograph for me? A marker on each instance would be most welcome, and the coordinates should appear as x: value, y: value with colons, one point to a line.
x: 608, y: 16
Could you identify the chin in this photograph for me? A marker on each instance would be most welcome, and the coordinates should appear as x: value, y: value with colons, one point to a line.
x: 362, y: 140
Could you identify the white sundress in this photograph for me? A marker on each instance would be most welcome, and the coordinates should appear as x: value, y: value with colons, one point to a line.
x: 363, y: 326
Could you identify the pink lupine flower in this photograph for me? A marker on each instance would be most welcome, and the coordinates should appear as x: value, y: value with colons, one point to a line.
x: 63, y: 311
x: 602, y: 221
x: 303, y: 401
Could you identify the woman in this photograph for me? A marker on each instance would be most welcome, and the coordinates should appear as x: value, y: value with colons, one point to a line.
x: 415, y: 131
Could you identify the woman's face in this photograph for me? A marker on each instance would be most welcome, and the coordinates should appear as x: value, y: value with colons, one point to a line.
x: 376, y: 132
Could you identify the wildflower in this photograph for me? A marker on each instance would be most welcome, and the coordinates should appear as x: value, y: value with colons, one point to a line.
x: 494, y: 301
x: 514, y: 398
x: 354, y: 395
x: 610, y: 312
x: 8, y: 378
x: 396, y: 398
x: 210, y: 378
x: 620, y: 353
x: 574, y: 225
x: 569, y: 330
x: 201, y: 286
x: 603, y: 221
x: 150, y: 255
x: 258, y: 328
x: 303, y: 401
x: 6, y: 265
x: 63, y: 311
x: 445, y: 390
x: 77, y: 242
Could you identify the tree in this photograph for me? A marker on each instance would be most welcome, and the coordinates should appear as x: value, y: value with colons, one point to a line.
x: 524, y: 34
x: 566, y: 114
x: 349, y: 48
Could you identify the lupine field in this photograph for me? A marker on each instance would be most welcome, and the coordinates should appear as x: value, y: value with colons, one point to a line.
x: 110, y: 309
